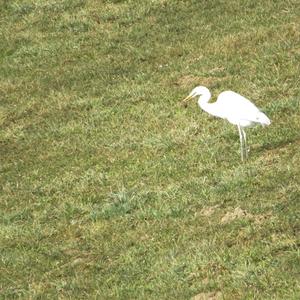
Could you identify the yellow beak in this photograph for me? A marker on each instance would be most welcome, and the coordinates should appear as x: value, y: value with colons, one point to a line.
x: 187, y: 98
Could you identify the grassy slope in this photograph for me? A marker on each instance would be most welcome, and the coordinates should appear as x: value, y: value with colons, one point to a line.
x: 109, y: 187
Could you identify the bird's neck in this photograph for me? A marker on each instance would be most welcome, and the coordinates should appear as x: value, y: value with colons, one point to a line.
x: 210, y: 108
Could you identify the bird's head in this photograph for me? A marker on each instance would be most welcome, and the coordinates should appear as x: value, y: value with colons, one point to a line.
x: 197, y: 91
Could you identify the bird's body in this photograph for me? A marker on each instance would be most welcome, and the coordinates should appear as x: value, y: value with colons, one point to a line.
x: 233, y: 107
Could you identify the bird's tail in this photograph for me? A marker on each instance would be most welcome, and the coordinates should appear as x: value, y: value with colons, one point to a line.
x: 263, y: 119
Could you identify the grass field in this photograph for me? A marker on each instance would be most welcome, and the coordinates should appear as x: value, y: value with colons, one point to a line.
x: 110, y: 188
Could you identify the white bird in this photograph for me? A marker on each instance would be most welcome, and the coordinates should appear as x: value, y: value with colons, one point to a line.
x: 233, y: 107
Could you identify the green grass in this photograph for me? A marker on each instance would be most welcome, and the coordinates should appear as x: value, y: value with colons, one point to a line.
x: 111, y: 189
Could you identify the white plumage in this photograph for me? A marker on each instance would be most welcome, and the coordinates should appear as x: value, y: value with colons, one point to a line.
x: 233, y: 107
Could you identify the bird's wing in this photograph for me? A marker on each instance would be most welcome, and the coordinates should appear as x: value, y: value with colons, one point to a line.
x: 236, y: 107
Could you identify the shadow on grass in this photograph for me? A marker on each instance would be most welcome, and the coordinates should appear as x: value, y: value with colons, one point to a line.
x: 277, y: 144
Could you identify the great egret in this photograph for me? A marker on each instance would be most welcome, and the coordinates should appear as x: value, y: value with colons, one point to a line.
x: 235, y: 108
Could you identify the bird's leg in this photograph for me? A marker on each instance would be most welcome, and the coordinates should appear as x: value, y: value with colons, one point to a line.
x: 247, y: 150
x: 241, y: 141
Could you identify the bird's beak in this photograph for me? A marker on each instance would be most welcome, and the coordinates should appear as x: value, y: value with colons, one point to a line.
x: 186, y: 99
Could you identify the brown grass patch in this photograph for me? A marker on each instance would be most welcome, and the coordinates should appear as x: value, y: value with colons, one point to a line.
x: 189, y: 81
x: 208, y: 296
x: 239, y: 213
